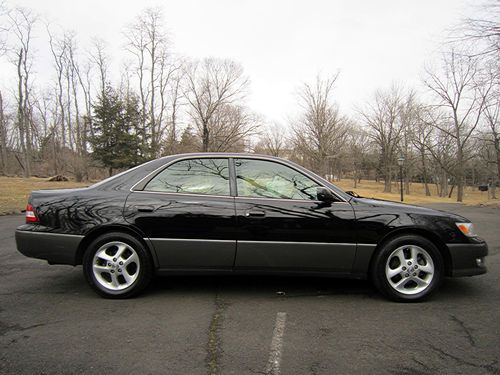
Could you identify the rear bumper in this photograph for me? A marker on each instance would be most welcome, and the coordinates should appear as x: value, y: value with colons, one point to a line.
x: 53, y: 247
x: 464, y: 259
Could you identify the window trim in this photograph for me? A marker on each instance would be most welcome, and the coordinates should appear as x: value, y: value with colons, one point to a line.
x: 139, y: 186
x: 146, y: 180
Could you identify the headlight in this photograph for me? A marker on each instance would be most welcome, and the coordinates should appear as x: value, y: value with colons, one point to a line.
x: 467, y: 229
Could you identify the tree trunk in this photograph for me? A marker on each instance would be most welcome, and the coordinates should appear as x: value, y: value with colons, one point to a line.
x: 451, y: 191
x: 460, y: 190
x: 460, y: 171
x: 424, y: 175
x: 54, y: 153
x: 205, y: 137
x: 407, y: 185
x: 387, y: 179
x: 71, y: 136
x: 444, y: 184
x: 497, y: 149
x: 21, y: 114
x: 492, y: 188
x: 3, y: 138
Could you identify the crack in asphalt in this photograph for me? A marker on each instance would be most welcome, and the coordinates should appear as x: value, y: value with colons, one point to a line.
x: 462, y: 325
x: 5, y: 328
x: 491, y: 367
x: 429, y: 370
x: 214, y: 345
x: 409, y: 371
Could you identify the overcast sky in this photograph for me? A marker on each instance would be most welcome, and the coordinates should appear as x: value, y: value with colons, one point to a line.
x: 280, y: 44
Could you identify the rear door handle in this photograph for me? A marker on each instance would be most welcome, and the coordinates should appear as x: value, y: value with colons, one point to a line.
x: 255, y: 214
x: 145, y: 208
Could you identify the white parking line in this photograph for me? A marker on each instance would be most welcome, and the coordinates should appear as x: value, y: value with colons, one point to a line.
x: 274, y: 362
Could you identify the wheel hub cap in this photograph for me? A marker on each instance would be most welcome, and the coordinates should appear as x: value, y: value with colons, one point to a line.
x: 409, y: 269
x: 116, y: 265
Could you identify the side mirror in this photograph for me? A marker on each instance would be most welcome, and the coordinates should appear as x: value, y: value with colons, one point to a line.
x: 325, y: 195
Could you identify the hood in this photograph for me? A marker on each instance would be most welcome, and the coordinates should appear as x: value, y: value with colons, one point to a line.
x: 407, y: 208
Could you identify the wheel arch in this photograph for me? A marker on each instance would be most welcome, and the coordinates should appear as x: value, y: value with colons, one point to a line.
x: 429, y: 235
x: 96, y: 232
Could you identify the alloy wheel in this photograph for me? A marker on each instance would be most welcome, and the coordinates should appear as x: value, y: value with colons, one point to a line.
x: 409, y: 269
x: 116, y: 265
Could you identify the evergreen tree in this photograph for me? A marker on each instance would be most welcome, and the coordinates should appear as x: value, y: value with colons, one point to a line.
x: 115, y: 122
x: 139, y: 149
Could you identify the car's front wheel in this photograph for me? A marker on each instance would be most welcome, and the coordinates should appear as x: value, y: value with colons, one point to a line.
x: 116, y: 265
x: 408, y: 268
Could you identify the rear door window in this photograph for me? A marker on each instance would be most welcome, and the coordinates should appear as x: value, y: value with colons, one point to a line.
x: 193, y: 176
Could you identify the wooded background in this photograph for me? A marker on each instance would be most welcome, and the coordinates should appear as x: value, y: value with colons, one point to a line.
x: 85, y: 125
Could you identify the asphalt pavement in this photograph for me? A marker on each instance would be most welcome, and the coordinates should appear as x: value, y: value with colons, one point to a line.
x: 52, y: 323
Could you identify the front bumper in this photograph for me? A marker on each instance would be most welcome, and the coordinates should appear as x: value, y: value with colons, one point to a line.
x: 55, y: 248
x: 464, y: 259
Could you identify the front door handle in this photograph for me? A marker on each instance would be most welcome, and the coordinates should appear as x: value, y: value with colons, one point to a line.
x: 144, y: 208
x: 255, y: 213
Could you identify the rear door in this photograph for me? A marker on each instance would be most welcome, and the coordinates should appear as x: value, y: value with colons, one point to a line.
x: 283, y: 226
x: 188, y: 214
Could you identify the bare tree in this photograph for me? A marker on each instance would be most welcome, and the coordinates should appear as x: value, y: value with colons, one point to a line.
x: 358, y: 143
x: 158, y: 76
x: 443, y: 151
x: 383, y: 120
x: 320, y: 131
x: 421, y: 139
x: 176, y: 99
x: 273, y: 141
x: 409, y: 115
x: 46, y: 107
x: 4, y: 28
x: 84, y: 78
x: 230, y: 126
x: 22, y: 23
x: 100, y: 59
x: 58, y: 49
x: 455, y: 88
x: 211, y: 84
x: 481, y: 33
x: 3, y: 137
x: 490, y: 134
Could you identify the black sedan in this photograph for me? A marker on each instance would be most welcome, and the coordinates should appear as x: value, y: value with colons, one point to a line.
x: 240, y: 213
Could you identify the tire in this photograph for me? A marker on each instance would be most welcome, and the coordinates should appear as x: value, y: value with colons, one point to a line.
x: 117, y: 265
x: 407, y: 268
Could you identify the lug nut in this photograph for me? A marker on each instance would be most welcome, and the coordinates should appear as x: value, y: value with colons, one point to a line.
x: 119, y: 270
x: 409, y: 263
x: 112, y: 271
x: 121, y: 263
x: 406, y: 275
x: 109, y: 264
x: 416, y: 266
x: 114, y: 259
x: 404, y: 268
x: 414, y: 274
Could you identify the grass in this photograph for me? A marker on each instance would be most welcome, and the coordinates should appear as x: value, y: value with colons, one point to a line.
x: 417, y: 195
x: 14, y: 192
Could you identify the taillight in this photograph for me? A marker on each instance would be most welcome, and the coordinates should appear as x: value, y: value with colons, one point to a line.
x: 30, y: 214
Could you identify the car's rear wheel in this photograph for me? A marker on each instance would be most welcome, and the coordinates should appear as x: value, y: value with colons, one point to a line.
x: 408, y: 268
x: 116, y: 265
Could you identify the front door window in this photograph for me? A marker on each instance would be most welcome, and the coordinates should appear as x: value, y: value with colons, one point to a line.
x: 265, y: 179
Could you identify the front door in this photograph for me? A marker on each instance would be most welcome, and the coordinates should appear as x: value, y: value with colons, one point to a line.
x: 282, y: 225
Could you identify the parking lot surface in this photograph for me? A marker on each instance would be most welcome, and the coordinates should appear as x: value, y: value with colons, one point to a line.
x: 51, y: 322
